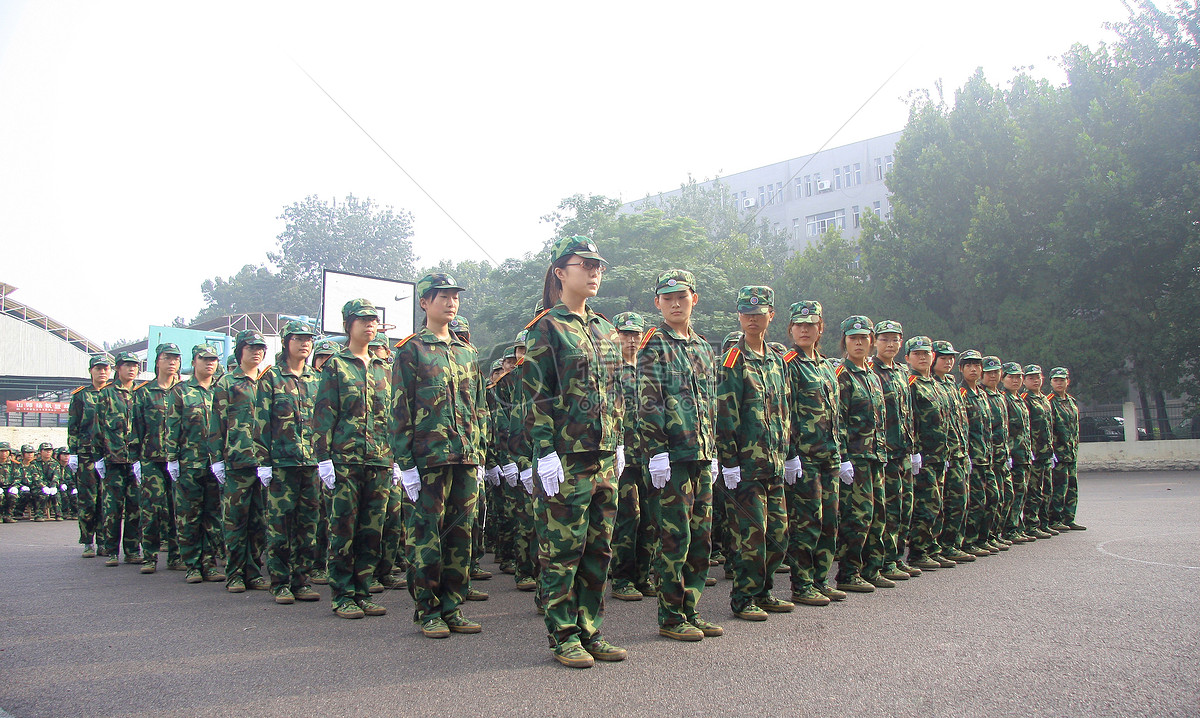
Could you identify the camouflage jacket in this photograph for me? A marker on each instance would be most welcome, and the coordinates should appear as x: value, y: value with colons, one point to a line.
x: 285, y: 403
x: 931, y: 418
x: 189, y: 426
x: 813, y: 402
x: 520, y: 448
x: 999, y: 408
x: 498, y: 419
x: 8, y: 473
x: 676, y: 408
x: 43, y: 473
x: 353, y: 411
x: 81, y: 421
x: 1065, y: 426
x: 237, y: 421
x: 114, y: 417
x: 898, y: 412
x: 979, y: 425
x: 570, y: 381
x: 957, y: 427
x: 861, y: 405
x: 150, y: 405
x: 30, y: 475
x: 64, y: 476
x: 753, y: 425
x: 439, y: 410
x: 1018, y: 428
x: 1040, y: 439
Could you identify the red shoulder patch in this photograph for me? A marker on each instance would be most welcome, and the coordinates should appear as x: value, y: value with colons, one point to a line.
x: 543, y: 313
x: 1025, y: 395
x: 404, y: 341
x: 520, y: 361
x: 731, y: 357
x: 962, y: 391
x: 646, y: 338
x: 790, y: 355
x: 139, y: 386
x: 840, y: 368
x: 912, y: 378
x: 77, y: 390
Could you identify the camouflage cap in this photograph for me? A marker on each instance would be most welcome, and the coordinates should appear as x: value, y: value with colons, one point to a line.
x: 62, y: 450
x: 970, y: 355
x: 460, y: 325
x: 944, y: 347
x: 435, y: 281
x: 675, y: 280
x: 1031, y: 369
x: 26, y: 448
x: 205, y: 351
x: 807, y: 311
x: 100, y: 360
x: 991, y: 363
x: 45, y: 446
x: 755, y: 300
x: 167, y: 348
x: 630, y: 322
x: 249, y: 337
x: 380, y: 340
x: 520, y: 340
x: 581, y: 246
x: 889, y: 326
x: 298, y: 328
x: 918, y: 343
x: 856, y: 324
x: 128, y: 357
x: 511, y: 352
x: 324, y: 347
x: 4, y: 446
x: 498, y: 365
x: 1011, y: 367
x: 359, y: 308
x: 231, y: 361
x: 1060, y: 372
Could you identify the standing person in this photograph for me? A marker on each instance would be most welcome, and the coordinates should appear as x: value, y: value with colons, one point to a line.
x: 632, y: 546
x: 861, y: 404
x: 896, y: 497
x: 1065, y: 430
x: 931, y: 430
x: 151, y: 402
x: 752, y: 439
x: 286, y: 397
x: 985, y: 493
x: 461, y: 328
x: 84, y: 445
x: 45, y: 483
x: 319, y: 573
x: 1002, y: 462
x: 1019, y: 449
x: 118, y: 463
x: 191, y: 451
x: 575, y: 406
x: 676, y: 430
x: 10, y: 485
x: 237, y: 427
x: 1039, y: 489
x: 439, y: 425
x: 69, y: 493
x: 956, y: 481
x: 353, y: 452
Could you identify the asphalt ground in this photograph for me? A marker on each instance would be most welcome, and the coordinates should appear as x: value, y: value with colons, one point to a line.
x: 1096, y: 623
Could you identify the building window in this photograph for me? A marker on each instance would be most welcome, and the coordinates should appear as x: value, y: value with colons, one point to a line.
x: 779, y: 191
x: 857, y: 216
x: 762, y: 197
x: 878, y: 209
x: 837, y: 177
x: 878, y: 168
x: 887, y: 164
x: 821, y: 223
x: 799, y: 187
x: 808, y: 185
x: 796, y: 228
x: 857, y: 173
x: 846, y: 172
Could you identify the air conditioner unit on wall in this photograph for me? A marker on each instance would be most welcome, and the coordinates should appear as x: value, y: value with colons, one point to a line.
x: 748, y: 203
x: 823, y: 186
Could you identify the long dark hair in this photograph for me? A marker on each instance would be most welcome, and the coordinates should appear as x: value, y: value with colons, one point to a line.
x: 552, y: 288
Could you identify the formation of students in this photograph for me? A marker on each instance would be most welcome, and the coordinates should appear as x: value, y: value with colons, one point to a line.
x: 594, y: 453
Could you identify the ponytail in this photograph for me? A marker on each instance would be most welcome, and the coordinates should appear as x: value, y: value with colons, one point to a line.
x: 552, y: 288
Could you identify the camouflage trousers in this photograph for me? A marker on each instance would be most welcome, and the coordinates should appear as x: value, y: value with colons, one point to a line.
x: 1004, y: 485
x: 245, y: 524
x: 812, y: 525
x: 496, y: 515
x: 681, y: 512
x: 722, y: 543
x: 857, y: 528
x: 439, y: 540
x: 120, y: 514
x: 897, y: 509
x: 1037, y: 495
x: 88, y: 498
x: 575, y: 546
x: 157, y: 505
x: 391, y: 541
x: 926, y: 525
x: 321, y: 552
x: 526, y: 523
x: 198, y: 516
x: 1065, y: 501
x: 757, y: 511
x: 956, y: 489
x: 633, y: 535
x: 356, y: 509
x: 985, y: 496
x: 1020, y: 479
x: 479, y: 523
x: 292, y: 500
x: 8, y: 502
x: 504, y: 519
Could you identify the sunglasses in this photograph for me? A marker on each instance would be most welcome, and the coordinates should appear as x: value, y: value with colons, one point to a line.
x: 589, y: 266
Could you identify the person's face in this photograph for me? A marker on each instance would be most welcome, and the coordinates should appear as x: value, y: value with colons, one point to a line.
x: 520, y: 354
x: 204, y: 369
x: 858, y: 346
x: 755, y: 324
x: 4, y: 454
x: 630, y: 341
x: 100, y: 373
x: 887, y: 345
x: 676, y: 307
x: 300, y: 345
x: 496, y: 375
x: 45, y: 454
x: 806, y: 335
x: 510, y: 363
x: 971, y: 371
x: 581, y: 276
x: 63, y: 459
x: 991, y: 379
x: 127, y: 371
x: 920, y: 360
x: 26, y: 457
x: 253, y: 354
x: 364, y: 329
x: 167, y: 364
x: 1033, y: 382
x: 441, y: 306
x: 1012, y: 382
x: 1060, y: 384
x: 943, y: 364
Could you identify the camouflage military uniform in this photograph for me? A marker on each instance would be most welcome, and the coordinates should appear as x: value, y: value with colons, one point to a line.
x: 862, y: 443
x: 984, y: 494
x: 931, y: 427
x: 1019, y: 450
x: 189, y: 441
x: 895, y: 502
x: 119, y: 449
x: 237, y: 427
x: 956, y: 484
x: 83, y: 443
x: 633, y: 543
x: 1064, y: 413
x: 1039, y: 488
x: 156, y: 501
x: 1000, y: 459
x: 9, y: 488
x: 528, y: 519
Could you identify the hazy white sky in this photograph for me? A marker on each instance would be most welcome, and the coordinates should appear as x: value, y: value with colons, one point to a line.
x: 145, y: 147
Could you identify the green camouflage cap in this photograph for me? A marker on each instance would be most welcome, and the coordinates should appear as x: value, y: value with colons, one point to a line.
x: 45, y: 446
x: 856, y: 324
x: 498, y: 365
x: 100, y: 359
x: 124, y: 357
x: 4, y: 446
x: 1032, y: 369
x: 941, y: 346
x: 889, y: 326
x: 755, y: 300
x: 298, y: 328
x: 380, y: 340
x: 62, y: 450
x: 731, y: 338
x: 359, y: 308
x: 630, y: 322
x: 991, y: 363
x: 970, y: 355
x: 581, y: 246
x: 675, y: 280
x: 434, y: 281
x: 249, y: 337
x: 918, y: 343
x: 460, y: 325
x: 807, y: 311
x: 511, y: 353
x: 205, y: 351
x: 26, y: 448
x: 1011, y: 367
x: 1060, y: 372
x: 231, y: 361
x: 520, y: 340
x: 324, y: 347
x: 167, y: 348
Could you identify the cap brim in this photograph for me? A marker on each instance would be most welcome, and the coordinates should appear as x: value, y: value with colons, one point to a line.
x: 806, y: 319
x: 672, y: 290
x: 853, y: 332
x: 754, y: 308
x: 591, y: 255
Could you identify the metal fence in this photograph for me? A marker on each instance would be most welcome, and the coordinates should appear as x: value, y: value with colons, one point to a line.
x: 1106, y: 422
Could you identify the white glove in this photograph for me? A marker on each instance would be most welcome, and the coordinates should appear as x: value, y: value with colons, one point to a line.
x: 74, y: 491
x: 660, y: 470
x: 620, y: 461
x: 47, y: 491
x: 325, y: 472
x: 1033, y: 458
x: 550, y: 471
x: 73, y: 461
x: 1053, y: 460
x: 62, y: 487
x: 479, y: 472
x: 137, y: 472
x: 526, y: 478
x: 24, y: 489
x: 791, y: 470
x: 970, y: 468
x: 218, y: 472
x: 13, y: 490
x: 733, y: 476
x: 917, y: 463
x: 100, y: 468
x: 173, y: 470
x: 716, y: 469
x: 1009, y: 462
x: 511, y: 473
x: 846, y: 472
x: 54, y: 491
x: 411, y: 479
x: 396, y: 474
x: 494, y: 476
x: 264, y: 475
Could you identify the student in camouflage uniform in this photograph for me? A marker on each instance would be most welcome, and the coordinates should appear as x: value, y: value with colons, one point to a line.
x: 1018, y: 448
x: 156, y: 501
x: 191, y: 450
x: 753, y: 431
x: 570, y: 380
x: 632, y: 543
x: 319, y: 572
x: 956, y: 481
x: 931, y: 430
x: 69, y: 487
x: 529, y: 521
x: 286, y: 397
x: 812, y: 499
x: 1001, y: 459
x: 1065, y: 431
x: 863, y: 451
x: 439, y: 425
x: 985, y: 493
x: 676, y: 429
x: 9, y: 485
x: 895, y: 498
x: 498, y: 531
x: 85, y: 450
x: 1039, y: 489
x: 44, y: 483
x: 118, y: 463
x: 354, y: 453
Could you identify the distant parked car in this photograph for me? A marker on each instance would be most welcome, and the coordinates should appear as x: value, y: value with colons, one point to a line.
x: 1105, y: 428
x: 1189, y: 428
